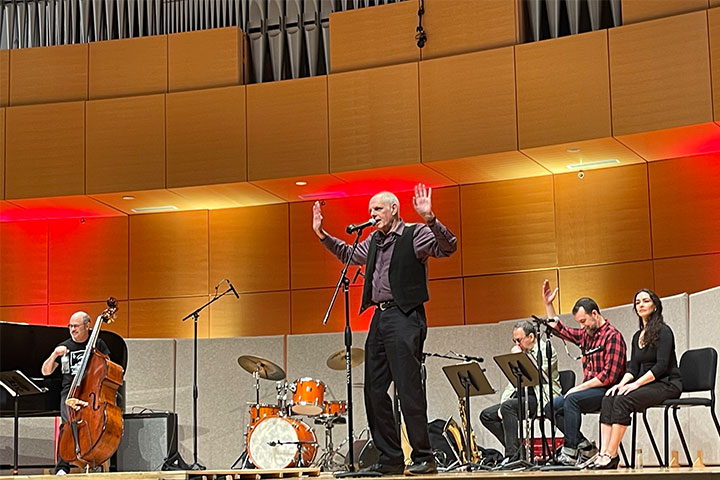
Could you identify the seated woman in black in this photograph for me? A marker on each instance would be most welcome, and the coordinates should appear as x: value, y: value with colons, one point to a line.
x: 652, y: 377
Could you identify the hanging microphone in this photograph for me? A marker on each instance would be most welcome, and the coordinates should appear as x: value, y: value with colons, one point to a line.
x: 233, y: 289
x: 357, y: 274
x: 354, y: 228
x: 597, y: 349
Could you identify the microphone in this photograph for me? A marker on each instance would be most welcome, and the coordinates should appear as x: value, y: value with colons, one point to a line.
x: 354, y: 228
x: 272, y: 444
x: 468, y: 357
x: 233, y: 289
x: 357, y: 274
x: 597, y: 349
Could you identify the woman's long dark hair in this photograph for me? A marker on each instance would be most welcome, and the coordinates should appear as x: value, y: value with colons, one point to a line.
x: 654, y: 321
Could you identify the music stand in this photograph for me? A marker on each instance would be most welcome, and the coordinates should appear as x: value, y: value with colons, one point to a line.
x: 468, y: 380
x: 521, y: 370
x: 18, y: 385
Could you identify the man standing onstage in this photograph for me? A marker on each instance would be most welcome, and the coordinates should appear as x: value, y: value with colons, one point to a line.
x: 502, y: 419
x: 70, y: 354
x: 396, y: 285
x: 604, y: 361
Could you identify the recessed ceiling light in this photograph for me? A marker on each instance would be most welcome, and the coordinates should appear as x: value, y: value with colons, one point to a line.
x: 575, y: 166
x: 163, y: 208
x: 128, y: 197
x: 573, y: 150
x: 300, y: 183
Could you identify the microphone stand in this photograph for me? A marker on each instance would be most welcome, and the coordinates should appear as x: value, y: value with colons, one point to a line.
x: 344, y: 282
x: 195, y: 315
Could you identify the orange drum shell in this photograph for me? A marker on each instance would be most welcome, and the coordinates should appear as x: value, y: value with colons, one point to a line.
x: 336, y: 407
x: 309, y: 396
x: 304, y: 433
x: 264, y: 410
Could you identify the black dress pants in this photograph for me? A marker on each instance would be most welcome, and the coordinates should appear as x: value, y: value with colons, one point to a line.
x: 617, y: 409
x: 62, y: 464
x: 507, y: 428
x: 393, y: 353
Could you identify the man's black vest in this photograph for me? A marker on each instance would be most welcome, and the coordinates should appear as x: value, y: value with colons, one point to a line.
x: 407, y: 274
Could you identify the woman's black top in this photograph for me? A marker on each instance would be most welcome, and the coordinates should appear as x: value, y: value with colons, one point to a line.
x: 659, y: 358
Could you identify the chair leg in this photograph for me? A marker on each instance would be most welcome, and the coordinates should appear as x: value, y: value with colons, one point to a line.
x: 714, y: 417
x: 633, y: 445
x: 624, y: 455
x: 652, y: 438
x: 682, y: 437
x: 666, y: 425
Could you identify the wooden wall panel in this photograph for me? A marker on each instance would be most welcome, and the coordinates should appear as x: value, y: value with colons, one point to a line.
x: 277, y: 147
x: 34, y: 314
x: 312, y: 265
x: 563, y: 90
x: 714, y: 32
x: 132, y: 66
x: 463, y: 26
x: 206, y: 59
x: 125, y: 144
x: 2, y: 152
x: 685, y: 205
x: 609, y: 285
x: 603, y: 217
x: 266, y: 313
x: 686, y: 274
x: 45, y: 150
x: 206, y: 137
x: 162, y: 318
x: 23, y: 262
x: 88, y: 260
x: 446, y: 305
x: 168, y: 254
x: 493, y: 298
x: 467, y: 105
x: 59, y: 315
x: 446, y: 206
x: 4, y: 78
x: 49, y: 74
x: 374, y: 118
x: 309, y: 307
x: 254, y: 259
x: 634, y: 11
x: 508, y: 226
x: 660, y: 84
x: 373, y: 37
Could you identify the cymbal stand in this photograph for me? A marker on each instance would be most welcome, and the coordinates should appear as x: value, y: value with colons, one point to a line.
x: 327, y: 461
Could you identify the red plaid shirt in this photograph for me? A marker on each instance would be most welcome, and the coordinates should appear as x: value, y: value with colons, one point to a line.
x: 607, y: 365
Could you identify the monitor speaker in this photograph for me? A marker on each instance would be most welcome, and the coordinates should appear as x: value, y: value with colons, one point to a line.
x: 148, y: 440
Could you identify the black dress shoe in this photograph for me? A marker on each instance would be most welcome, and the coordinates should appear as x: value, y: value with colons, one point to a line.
x: 382, y: 469
x: 421, y: 468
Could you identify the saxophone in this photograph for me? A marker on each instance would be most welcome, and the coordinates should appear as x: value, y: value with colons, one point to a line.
x: 465, y: 421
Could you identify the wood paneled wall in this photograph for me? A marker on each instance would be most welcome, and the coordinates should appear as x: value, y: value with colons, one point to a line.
x: 606, y: 235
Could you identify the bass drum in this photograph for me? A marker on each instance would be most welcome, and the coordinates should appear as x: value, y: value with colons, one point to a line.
x: 273, y: 443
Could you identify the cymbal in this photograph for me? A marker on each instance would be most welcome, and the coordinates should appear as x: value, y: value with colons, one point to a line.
x: 265, y: 368
x: 336, y: 361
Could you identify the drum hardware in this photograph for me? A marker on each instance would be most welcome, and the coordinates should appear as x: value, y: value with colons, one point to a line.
x: 328, y: 460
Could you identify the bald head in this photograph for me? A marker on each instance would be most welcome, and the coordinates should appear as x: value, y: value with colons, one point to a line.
x: 79, y: 326
x: 384, y: 208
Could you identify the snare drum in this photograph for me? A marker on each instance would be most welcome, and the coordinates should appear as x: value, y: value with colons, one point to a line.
x: 335, y: 408
x: 262, y: 411
x: 273, y: 443
x: 308, y: 396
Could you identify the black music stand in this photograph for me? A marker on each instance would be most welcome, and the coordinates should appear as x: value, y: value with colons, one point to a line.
x: 18, y: 385
x: 521, y: 370
x: 468, y: 380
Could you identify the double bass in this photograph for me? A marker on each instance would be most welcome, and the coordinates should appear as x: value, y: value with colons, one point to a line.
x: 94, y: 427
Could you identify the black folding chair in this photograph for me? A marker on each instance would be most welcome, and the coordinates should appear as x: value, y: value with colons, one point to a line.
x: 698, y: 368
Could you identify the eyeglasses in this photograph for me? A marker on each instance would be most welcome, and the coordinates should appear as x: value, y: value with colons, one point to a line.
x: 73, y: 325
x: 518, y: 340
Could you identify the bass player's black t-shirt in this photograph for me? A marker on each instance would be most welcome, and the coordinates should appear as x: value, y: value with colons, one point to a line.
x: 76, y: 352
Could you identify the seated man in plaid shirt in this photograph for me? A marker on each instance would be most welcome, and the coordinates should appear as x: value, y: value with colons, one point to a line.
x: 603, y: 361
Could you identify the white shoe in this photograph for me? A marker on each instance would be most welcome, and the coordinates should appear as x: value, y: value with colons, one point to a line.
x: 61, y: 472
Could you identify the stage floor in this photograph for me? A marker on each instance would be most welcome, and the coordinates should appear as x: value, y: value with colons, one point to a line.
x: 620, y: 474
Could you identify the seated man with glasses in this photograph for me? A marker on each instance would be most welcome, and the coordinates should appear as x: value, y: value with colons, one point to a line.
x: 502, y: 419
x: 70, y: 354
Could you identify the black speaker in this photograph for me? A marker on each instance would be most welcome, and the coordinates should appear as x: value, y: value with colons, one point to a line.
x: 148, y: 439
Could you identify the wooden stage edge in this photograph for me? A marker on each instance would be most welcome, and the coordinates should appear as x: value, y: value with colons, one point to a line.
x: 620, y: 474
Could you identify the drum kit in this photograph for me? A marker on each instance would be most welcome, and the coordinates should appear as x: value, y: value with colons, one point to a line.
x: 276, y: 437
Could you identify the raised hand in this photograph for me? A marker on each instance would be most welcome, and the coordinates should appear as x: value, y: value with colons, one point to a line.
x: 547, y: 293
x: 317, y: 221
x: 422, y: 202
